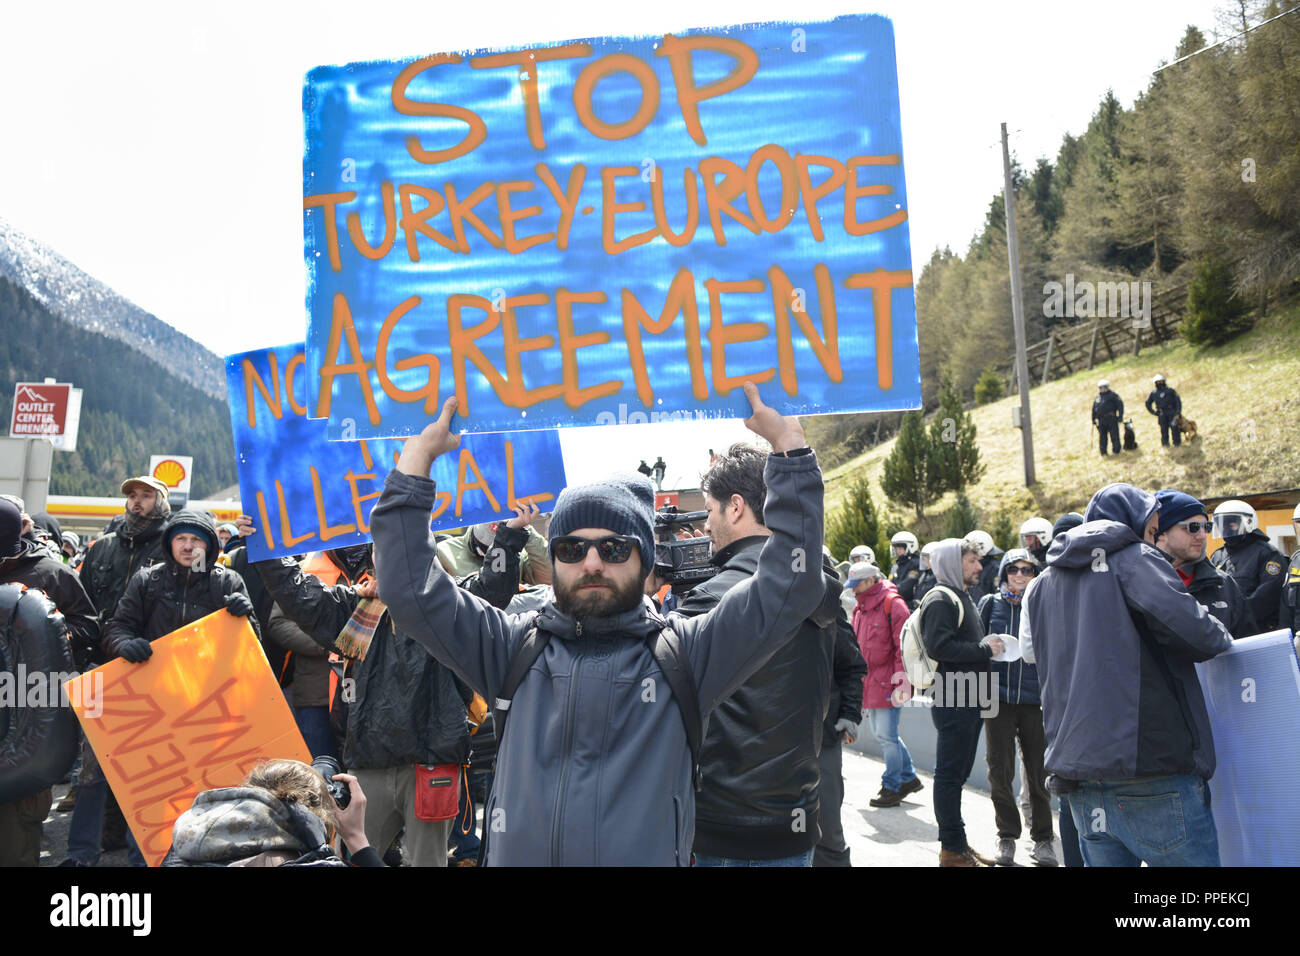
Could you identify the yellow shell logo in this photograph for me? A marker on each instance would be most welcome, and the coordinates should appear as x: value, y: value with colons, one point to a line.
x: 170, y: 473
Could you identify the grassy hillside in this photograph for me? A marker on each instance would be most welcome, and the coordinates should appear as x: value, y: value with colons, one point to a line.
x: 1245, y: 398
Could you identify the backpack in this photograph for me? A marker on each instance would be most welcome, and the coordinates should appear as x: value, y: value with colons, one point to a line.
x: 918, y: 663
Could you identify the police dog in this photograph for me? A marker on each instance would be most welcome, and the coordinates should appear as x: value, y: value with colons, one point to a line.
x: 1130, y: 439
x: 1186, y: 426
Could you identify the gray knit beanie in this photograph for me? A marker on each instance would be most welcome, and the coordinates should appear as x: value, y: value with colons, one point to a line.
x: 622, y: 503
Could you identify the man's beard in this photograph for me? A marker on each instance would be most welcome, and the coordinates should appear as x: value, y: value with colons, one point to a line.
x: 572, y: 602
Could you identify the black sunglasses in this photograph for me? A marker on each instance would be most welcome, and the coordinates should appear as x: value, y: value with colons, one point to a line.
x: 612, y: 549
x: 1021, y: 569
x: 1195, y: 527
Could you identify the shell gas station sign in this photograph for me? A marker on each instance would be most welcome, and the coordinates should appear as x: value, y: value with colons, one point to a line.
x: 174, y: 471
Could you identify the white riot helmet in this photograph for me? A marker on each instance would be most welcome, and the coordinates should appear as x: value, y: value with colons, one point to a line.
x: 905, y: 539
x: 1157, y: 380
x: 983, y: 542
x: 1295, y: 524
x: 1233, y: 518
x: 862, y: 553
x: 1038, y: 529
x: 925, y: 554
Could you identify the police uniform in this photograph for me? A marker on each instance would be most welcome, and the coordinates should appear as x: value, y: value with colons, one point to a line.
x: 906, y: 572
x: 1107, y: 411
x: 1256, y: 565
x: 1289, y: 609
x: 1165, y: 404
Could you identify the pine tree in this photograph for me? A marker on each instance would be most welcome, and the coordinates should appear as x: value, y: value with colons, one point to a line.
x: 956, y: 455
x: 855, y: 522
x: 1003, y: 532
x: 962, y: 519
x: 908, y: 471
x: 990, y: 387
x: 1215, y: 313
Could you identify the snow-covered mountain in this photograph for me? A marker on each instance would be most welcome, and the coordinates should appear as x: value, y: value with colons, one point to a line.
x: 90, y: 304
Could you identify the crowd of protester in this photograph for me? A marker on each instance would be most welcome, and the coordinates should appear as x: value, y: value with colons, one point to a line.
x: 659, y: 724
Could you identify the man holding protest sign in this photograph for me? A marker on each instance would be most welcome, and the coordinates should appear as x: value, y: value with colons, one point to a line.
x: 601, y: 766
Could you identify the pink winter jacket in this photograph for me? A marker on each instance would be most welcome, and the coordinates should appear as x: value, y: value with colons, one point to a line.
x: 878, y: 621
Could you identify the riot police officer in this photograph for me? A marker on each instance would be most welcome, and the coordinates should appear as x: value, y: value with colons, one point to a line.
x: 907, y: 565
x: 1289, y: 610
x: 1107, y: 413
x: 1164, y: 403
x: 1251, y: 558
x: 1035, y: 536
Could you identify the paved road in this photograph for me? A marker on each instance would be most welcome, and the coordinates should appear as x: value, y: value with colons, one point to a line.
x: 905, y: 835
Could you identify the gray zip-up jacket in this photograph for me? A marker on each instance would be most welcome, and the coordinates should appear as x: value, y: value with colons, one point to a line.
x: 594, y: 768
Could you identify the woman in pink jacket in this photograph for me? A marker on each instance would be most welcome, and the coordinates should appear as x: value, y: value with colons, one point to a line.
x: 878, y: 618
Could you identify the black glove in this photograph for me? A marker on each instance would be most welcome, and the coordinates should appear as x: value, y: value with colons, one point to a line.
x: 136, y: 650
x: 239, y: 604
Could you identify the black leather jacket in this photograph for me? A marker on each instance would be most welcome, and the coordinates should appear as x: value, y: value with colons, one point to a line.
x: 759, y: 758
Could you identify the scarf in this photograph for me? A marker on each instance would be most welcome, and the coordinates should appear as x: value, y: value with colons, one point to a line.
x: 135, y: 523
x: 354, y: 640
x: 1011, y: 597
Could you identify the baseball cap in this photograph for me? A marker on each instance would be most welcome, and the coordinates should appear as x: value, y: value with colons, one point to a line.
x: 149, y: 481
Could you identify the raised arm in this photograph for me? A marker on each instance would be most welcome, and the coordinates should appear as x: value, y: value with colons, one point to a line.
x: 464, y: 633
x: 756, y: 617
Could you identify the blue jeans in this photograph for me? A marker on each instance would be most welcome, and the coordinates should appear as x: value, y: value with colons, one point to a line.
x: 898, y: 762
x: 314, y: 725
x: 86, y: 831
x: 1160, y: 821
x: 800, y: 859
x: 958, y: 737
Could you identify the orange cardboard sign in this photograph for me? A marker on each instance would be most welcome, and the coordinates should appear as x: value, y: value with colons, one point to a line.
x: 199, y: 714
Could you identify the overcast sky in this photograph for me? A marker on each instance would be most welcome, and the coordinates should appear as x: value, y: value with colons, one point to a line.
x: 159, y: 146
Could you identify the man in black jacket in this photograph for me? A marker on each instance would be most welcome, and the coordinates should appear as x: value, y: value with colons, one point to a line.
x: 1107, y: 413
x: 136, y: 544
x: 954, y: 637
x: 404, y: 708
x: 1181, y: 535
x: 1164, y: 403
x: 759, y: 801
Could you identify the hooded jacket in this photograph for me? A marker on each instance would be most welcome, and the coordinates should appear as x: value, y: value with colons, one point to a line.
x: 957, y: 648
x: 878, y: 619
x: 1116, y: 638
x: 595, y: 768
x: 167, y: 596
x: 249, y: 826
x: 759, y: 756
x: 1017, y: 680
x: 33, y: 567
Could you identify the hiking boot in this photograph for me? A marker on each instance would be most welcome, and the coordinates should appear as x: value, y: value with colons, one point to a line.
x: 887, y: 798
x: 68, y: 803
x: 1043, y: 854
x: 967, y: 857
x: 911, y: 786
x: 1006, y: 852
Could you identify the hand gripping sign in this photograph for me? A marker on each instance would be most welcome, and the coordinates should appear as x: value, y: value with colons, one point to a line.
x: 307, y: 493
x: 199, y: 714
x: 553, y: 233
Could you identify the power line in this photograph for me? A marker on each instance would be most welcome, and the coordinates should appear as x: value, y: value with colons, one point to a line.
x: 1206, y: 49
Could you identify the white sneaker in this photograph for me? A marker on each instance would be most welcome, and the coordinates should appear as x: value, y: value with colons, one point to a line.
x: 1006, y: 852
x: 1042, y: 854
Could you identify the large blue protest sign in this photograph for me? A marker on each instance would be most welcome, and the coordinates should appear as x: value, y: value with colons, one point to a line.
x: 611, y: 230
x: 307, y: 493
x: 1252, y: 695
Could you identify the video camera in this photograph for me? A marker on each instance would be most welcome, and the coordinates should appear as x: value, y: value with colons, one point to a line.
x: 682, y: 563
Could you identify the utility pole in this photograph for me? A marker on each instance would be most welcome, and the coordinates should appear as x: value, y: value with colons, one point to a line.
x: 1018, y: 314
